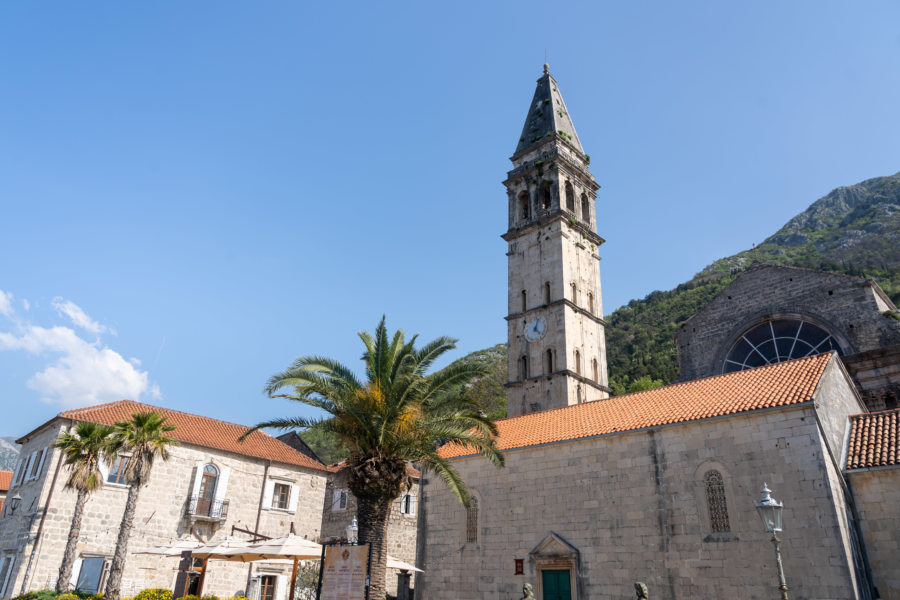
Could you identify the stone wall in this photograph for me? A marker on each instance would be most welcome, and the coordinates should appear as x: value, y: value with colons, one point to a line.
x: 633, y: 506
x: 401, y: 531
x: 160, y: 516
x: 877, y: 495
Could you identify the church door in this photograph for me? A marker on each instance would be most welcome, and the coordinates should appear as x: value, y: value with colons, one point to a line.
x: 556, y: 585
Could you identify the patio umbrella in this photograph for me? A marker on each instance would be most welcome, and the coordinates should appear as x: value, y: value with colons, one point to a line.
x: 394, y: 563
x: 292, y: 547
x: 173, y: 548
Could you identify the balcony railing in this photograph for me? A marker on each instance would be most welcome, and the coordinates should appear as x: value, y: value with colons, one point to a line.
x: 207, y: 508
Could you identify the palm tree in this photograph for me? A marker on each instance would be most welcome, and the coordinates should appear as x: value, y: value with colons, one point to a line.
x: 82, y: 450
x: 397, y: 415
x: 143, y: 438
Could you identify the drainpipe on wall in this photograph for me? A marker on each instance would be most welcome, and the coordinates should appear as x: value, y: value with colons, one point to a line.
x: 37, y: 536
x: 262, y: 494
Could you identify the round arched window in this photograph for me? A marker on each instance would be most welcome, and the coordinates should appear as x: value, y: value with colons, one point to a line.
x: 775, y: 341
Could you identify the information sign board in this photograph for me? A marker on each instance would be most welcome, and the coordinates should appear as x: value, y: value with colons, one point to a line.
x: 344, y: 572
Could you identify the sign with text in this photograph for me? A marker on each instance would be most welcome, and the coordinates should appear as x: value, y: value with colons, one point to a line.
x: 344, y: 572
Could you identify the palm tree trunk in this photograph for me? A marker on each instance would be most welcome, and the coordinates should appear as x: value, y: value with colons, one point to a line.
x: 373, y: 515
x: 114, y: 583
x: 65, y: 570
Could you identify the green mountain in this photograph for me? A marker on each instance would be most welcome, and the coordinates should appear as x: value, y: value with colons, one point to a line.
x: 853, y: 230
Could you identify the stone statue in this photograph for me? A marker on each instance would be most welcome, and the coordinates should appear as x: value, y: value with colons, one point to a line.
x: 527, y: 593
x: 641, y: 590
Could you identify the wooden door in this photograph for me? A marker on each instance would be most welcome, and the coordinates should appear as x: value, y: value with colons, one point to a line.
x: 556, y: 585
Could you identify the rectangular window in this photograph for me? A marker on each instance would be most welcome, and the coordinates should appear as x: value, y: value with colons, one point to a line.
x: 339, y: 500
x: 117, y: 471
x: 408, y: 504
x: 267, y: 586
x: 5, y: 564
x: 90, y: 575
x: 281, y: 495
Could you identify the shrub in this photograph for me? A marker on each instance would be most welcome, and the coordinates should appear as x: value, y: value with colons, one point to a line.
x: 37, y: 595
x: 154, y: 594
x: 68, y: 596
x: 190, y: 597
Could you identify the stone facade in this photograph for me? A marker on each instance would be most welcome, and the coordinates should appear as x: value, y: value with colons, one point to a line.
x: 34, y: 537
x: 340, y: 510
x: 555, y: 329
x: 633, y: 507
x: 855, y: 311
x: 877, y: 495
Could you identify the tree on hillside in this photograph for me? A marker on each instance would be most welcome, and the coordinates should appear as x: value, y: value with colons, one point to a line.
x: 399, y: 413
x: 82, y: 449
x: 142, y: 440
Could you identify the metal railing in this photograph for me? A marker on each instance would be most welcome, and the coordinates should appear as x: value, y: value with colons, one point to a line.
x: 207, y: 508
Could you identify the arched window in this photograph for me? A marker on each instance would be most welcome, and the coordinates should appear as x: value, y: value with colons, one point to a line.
x: 547, y: 293
x: 585, y: 209
x: 574, y: 292
x: 715, y: 501
x: 775, y: 341
x: 548, y: 361
x: 546, y: 197
x: 472, y: 520
x: 524, y: 213
x: 577, y: 362
x: 590, y: 303
x: 570, y: 197
x: 523, y: 367
x: 524, y: 301
x: 595, y: 370
x: 578, y: 393
x: 207, y: 489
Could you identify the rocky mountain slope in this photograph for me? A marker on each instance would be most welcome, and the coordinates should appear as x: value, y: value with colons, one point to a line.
x: 9, y: 453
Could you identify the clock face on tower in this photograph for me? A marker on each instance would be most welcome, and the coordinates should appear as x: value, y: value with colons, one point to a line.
x: 535, y: 330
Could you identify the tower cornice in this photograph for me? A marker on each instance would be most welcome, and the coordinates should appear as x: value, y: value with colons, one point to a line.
x: 557, y: 215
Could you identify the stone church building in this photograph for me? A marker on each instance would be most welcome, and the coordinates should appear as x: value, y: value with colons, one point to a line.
x: 781, y: 373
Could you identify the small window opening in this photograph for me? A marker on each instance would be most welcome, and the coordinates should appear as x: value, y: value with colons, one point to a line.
x: 548, y: 360
x: 585, y: 209
x: 715, y: 502
x: 577, y: 362
x: 472, y: 520
x: 523, y: 206
x: 546, y: 198
x: 547, y: 293
x: 523, y: 367
x: 574, y: 292
x: 595, y: 369
x: 578, y: 394
x: 524, y: 301
x: 591, y: 303
x: 570, y: 197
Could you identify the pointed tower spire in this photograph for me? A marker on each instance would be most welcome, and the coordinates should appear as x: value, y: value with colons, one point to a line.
x: 548, y: 116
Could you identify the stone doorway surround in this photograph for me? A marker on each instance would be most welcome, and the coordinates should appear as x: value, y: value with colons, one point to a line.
x: 555, y: 553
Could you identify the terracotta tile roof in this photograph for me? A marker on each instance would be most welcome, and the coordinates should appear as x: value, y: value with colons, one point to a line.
x: 780, y: 384
x: 339, y: 466
x: 874, y: 440
x: 5, y: 480
x: 200, y: 431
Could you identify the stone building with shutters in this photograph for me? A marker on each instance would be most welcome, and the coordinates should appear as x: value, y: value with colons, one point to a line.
x: 211, y: 487
x: 340, y: 511
x: 660, y: 486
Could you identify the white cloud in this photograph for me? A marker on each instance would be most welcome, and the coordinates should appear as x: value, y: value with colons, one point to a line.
x: 26, y: 305
x: 83, y: 373
x: 78, y: 317
x: 6, y: 308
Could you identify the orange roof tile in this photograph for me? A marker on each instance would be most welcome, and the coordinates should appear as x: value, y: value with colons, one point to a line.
x: 5, y: 480
x: 873, y: 440
x: 780, y: 384
x: 200, y: 431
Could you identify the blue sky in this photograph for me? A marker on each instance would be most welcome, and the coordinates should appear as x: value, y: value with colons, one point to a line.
x: 192, y: 194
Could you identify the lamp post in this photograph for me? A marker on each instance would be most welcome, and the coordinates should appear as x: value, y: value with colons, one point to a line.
x: 352, y: 532
x: 14, y: 503
x: 770, y: 513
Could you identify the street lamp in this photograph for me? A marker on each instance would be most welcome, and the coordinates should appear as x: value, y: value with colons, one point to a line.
x: 770, y: 513
x: 14, y: 503
x: 352, y: 532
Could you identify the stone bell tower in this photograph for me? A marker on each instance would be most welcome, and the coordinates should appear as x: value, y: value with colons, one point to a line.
x: 556, y: 340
